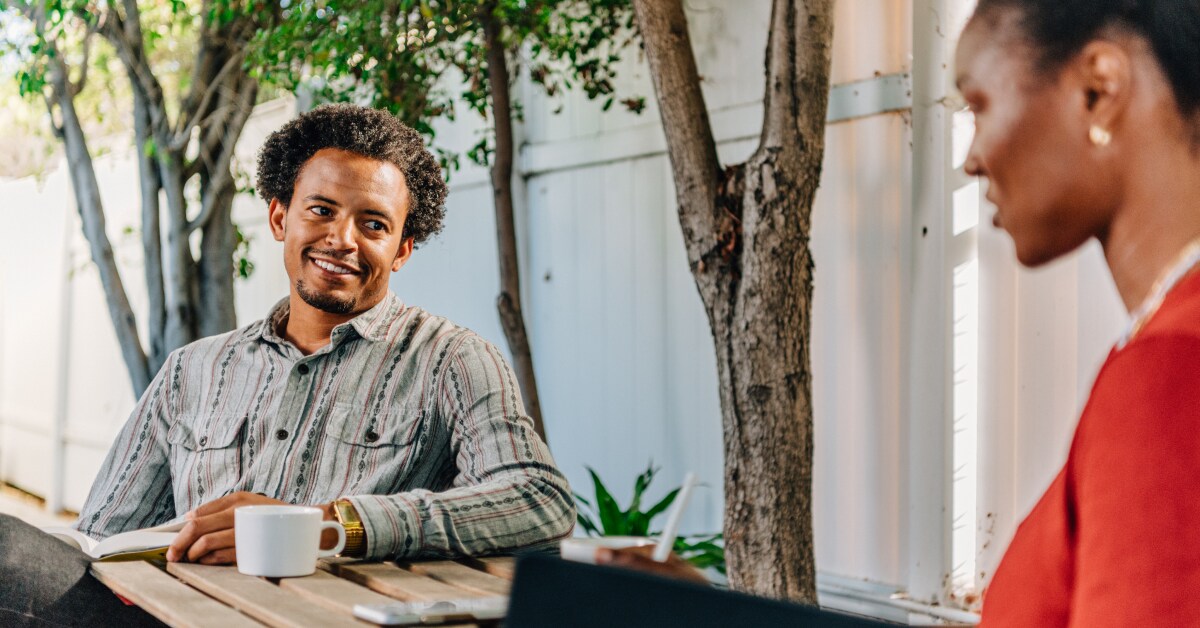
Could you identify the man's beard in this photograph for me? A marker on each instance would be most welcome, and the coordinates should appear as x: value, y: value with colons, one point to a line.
x: 324, y: 301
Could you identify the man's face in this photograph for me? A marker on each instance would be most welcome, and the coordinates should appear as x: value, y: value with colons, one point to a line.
x: 342, y: 233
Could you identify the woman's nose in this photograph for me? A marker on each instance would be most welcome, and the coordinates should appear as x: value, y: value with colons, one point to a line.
x: 972, y: 165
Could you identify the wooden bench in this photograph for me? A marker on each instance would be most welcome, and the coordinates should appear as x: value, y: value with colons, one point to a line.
x: 190, y: 595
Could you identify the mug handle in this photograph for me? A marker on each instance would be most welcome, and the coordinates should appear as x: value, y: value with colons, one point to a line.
x: 341, y: 544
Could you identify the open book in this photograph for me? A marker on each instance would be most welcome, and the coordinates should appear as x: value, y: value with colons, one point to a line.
x: 149, y: 543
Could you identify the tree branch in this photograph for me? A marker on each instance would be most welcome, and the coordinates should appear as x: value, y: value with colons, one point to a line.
x: 125, y: 37
x: 77, y: 86
x: 690, y: 143
x: 797, y: 69
x: 188, y: 120
x: 219, y: 169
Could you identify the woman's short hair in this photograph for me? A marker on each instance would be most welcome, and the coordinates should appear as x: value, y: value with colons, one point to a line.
x: 1060, y: 28
x: 368, y: 132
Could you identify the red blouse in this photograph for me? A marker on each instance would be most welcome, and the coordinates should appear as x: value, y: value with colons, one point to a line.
x: 1115, y: 541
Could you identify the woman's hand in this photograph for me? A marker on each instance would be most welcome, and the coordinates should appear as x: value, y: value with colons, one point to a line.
x: 639, y: 559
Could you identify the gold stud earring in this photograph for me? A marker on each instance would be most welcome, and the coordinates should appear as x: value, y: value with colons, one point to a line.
x: 1099, y: 136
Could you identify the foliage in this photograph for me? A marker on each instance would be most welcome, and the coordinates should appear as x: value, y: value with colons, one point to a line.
x: 606, y: 518
x: 394, y: 54
x: 168, y: 75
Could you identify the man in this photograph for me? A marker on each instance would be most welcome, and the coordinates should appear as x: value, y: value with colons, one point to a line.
x: 408, y: 429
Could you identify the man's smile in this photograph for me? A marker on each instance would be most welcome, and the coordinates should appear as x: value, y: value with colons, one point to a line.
x: 334, y: 267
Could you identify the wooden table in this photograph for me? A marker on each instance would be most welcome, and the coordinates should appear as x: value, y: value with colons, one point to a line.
x: 186, y: 594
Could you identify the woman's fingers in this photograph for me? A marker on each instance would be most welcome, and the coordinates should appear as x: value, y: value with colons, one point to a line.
x: 639, y: 559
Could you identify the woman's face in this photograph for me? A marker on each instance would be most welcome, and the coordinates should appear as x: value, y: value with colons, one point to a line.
x: 1031, y: 142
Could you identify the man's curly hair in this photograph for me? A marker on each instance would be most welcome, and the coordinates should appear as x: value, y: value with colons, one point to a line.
x: 368, y: 132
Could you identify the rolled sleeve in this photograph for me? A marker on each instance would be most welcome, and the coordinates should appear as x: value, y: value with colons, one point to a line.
x: 133, y: 487
x: 507, y: 493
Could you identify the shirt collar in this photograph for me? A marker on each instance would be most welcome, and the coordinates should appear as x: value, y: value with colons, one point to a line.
x: 371, y: 325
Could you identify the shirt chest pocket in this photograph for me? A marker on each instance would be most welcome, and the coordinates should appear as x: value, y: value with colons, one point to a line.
x: 206, y: 455
x: 377, y: 456
x: 351, y: 426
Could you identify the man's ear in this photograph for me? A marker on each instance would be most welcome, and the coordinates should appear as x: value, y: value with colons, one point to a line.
x: 277, y: 211
x: 405, y: 252
x: 1106, y: 69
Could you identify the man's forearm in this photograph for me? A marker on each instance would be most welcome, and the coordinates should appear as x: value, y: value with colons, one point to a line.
x: 489, y: 518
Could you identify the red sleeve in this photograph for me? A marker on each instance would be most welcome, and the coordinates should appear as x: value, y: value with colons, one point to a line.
x: 1135, y: 472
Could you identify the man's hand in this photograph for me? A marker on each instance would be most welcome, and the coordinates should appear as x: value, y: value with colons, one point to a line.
x: 639, y: 559
x: 208, y: 536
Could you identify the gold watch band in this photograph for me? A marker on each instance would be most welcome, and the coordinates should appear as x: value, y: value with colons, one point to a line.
x: 356, y: 534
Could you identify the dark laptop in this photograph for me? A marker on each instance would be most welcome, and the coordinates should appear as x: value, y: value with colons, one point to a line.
x: 551, y: 592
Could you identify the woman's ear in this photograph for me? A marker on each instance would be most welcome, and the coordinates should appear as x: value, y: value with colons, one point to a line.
x: 277, y: 211
x: 1105, y: 69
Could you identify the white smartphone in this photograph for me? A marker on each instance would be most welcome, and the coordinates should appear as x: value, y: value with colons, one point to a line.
x: 432, y: 613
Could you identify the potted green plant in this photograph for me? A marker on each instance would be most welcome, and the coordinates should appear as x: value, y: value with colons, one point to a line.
x: 602, y: 516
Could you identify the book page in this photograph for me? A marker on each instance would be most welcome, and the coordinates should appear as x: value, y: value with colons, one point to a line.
x: 136, y: 541
x: 153, y: 539
x: 72, y: 537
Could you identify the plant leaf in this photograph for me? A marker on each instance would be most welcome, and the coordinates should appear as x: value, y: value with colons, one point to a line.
x: 611, y: 519
x: 587, y: 524
x: 662, y: 505
x: 639, y: 487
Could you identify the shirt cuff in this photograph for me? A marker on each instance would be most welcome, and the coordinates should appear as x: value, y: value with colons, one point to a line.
x: 391, y: 525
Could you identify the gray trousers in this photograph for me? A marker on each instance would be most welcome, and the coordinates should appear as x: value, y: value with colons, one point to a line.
x: 45, y: 582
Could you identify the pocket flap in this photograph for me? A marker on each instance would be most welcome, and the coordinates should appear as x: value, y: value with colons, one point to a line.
x: 219, y: 433
x: 349, y: 424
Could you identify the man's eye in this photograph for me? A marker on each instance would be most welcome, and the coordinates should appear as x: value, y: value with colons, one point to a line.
x: 375, y: 225
x: 320, y: 210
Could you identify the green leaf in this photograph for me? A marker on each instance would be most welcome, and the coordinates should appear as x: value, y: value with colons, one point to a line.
x: 611, y: 520
x: 639, y: 487
x: 587, y: 524
x: 662, y: 504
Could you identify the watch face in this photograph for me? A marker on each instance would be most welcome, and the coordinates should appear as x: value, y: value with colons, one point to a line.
x: 346, y: 513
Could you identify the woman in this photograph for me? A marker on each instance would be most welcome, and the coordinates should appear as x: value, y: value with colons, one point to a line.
x: 1087, y: 116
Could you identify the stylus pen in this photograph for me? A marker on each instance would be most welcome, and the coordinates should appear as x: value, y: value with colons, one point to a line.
x: 671, y: 532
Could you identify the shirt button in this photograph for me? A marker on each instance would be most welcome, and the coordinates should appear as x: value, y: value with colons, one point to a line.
x: 371, y: 436
x: 303, y: 368
x: 281, y: 434
x: 203, y: 441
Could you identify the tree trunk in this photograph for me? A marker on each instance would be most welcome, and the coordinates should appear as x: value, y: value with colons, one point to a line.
x: 151, y: 184
x: 91, y: 211
x: 508, y: 303
x: 214, y: 270
x: 179, y: 265
x: 747, y: 234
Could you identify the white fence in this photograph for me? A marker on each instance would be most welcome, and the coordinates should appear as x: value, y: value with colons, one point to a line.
x: 621, y: 345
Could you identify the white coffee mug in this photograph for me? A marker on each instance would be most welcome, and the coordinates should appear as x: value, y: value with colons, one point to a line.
x: 281, y: 541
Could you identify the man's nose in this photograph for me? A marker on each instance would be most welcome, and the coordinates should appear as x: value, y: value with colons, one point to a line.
x: 341, y: 234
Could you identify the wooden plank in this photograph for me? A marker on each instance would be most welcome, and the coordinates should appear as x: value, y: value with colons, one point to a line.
x: 401, y: 584
x: 166, y: 598
x: 462, y: 577
x: 499, y: 566
x: 257, y: 597
x: 332, y: 592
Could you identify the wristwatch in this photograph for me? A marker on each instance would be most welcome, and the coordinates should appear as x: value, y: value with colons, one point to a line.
x: 356, y: 534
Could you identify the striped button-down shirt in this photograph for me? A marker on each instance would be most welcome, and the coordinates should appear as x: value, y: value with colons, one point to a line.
x: 415, y: 420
